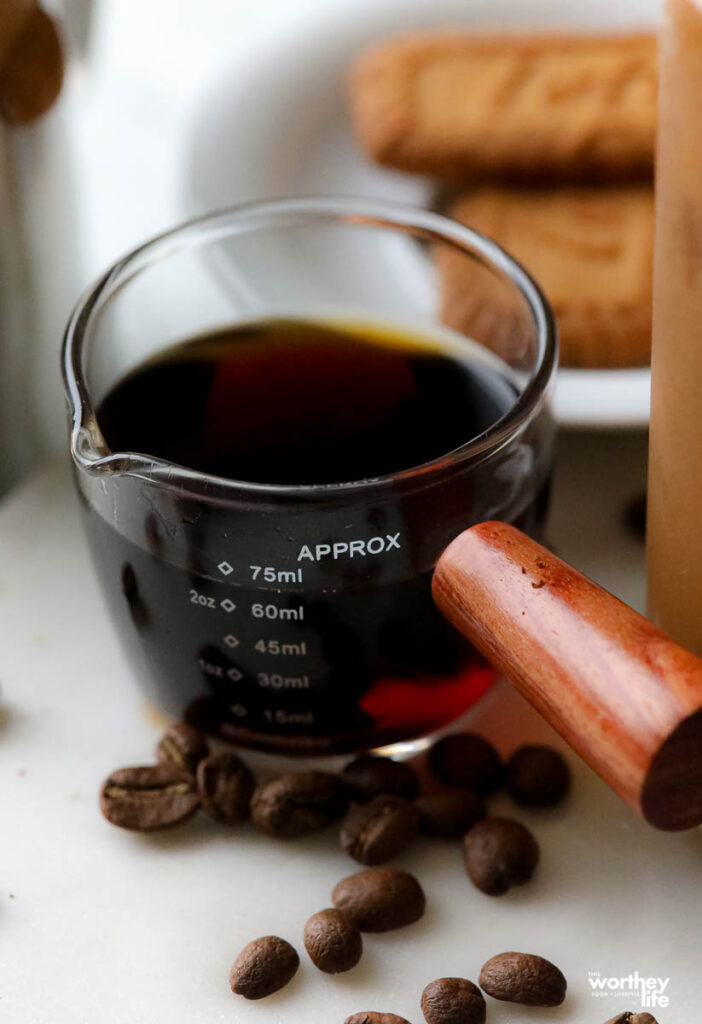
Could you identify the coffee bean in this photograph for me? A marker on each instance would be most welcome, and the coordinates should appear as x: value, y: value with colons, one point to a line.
x: 498, y: 854
x: 449, y: 813
x: 453, y: 1001
x: 298, y: 804
x: 537, y: 776
x: 464, y: 759
x: 263, y: 967
x: 226, y: 786
x: 182, y: 745
x: 373, y: 1017
x: 368, y: 776
x: 632, y: 1018
x: 333, y: 941
x: 380, y: 899
x: 523, y: 978
x: 374, y: 832
x: 150, y: 797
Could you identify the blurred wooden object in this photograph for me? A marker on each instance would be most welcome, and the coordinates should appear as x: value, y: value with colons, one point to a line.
x: 674, y: 555
x: 13, y: 14
x: 31, y: 66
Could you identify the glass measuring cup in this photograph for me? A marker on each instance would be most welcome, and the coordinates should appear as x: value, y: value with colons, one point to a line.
x: 299, y: 618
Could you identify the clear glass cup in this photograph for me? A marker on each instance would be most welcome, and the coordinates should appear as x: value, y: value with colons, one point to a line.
x: 245, y: 607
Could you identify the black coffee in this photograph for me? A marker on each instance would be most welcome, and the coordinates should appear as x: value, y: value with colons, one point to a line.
x: 285, y: 622
x: 297, y: 403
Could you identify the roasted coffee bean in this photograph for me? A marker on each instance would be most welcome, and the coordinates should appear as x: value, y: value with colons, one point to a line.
x: 537, y: 776
x: 374, y: 832
x: 380, y: 899
x: 373, y: 1017
x: 182, y: 745
x: 628, y: 1017
x: 453, y: 1001
x: 368, y: 776
x: 149, y: 797
x: 449, y: 813
x: 498, y: 854
x: 464, y: 759
x: 523, y: 978
x: 298, y: 804
x: 263, y: 967
x: 333, y: 941
x: 226, y: 786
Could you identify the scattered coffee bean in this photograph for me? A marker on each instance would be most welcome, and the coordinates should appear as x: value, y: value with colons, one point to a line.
x: 374, y: 832
x: 373, y: 1017
x: 149, y: 797
x: 537, y: 776
x: 498, y: 854
x: 182, y: 745
x: 298, y: 804
x: 368, y: 776
x: 523, y: 978
x: 226, y: 786
x: 333, y: 941
x: 464, y: 759
x: 450, y: 813
x: 380, y: 899
x: 263, y: 967
x: 453, y: 1001
x: 632, y: 1018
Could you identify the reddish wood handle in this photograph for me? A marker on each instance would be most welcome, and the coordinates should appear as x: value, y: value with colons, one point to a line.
x: 624, y: 695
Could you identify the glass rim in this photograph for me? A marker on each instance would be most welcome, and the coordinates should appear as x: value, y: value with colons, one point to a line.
x: 88, y: 447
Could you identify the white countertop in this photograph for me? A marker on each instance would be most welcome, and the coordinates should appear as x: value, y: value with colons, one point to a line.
x: 98, y: 926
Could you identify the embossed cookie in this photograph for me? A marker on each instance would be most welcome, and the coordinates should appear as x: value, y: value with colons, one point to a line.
x: 556, y: 105
x: 590, y: 249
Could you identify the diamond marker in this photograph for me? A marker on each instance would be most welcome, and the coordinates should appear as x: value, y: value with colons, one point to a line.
x: 225, y: 568
x: 234, y: 674
x: 231, y: 641
x: 228, y: 605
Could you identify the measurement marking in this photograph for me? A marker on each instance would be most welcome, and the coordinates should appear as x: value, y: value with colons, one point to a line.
x: 272, y: 611
x: 275, y: 647
x: 227, y: 605
x: 225, y: 568
x: 231, y: 641
x: 272, y: 575
x: 273, y: 681
x: 234, y: 674
x: 239, y: 710
x: 209, y: 669
x: 281, y: 717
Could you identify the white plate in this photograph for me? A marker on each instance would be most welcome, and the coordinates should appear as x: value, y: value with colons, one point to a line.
x: 276, y: 124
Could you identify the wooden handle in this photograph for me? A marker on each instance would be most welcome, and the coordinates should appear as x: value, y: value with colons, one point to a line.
x: 625, y: 696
